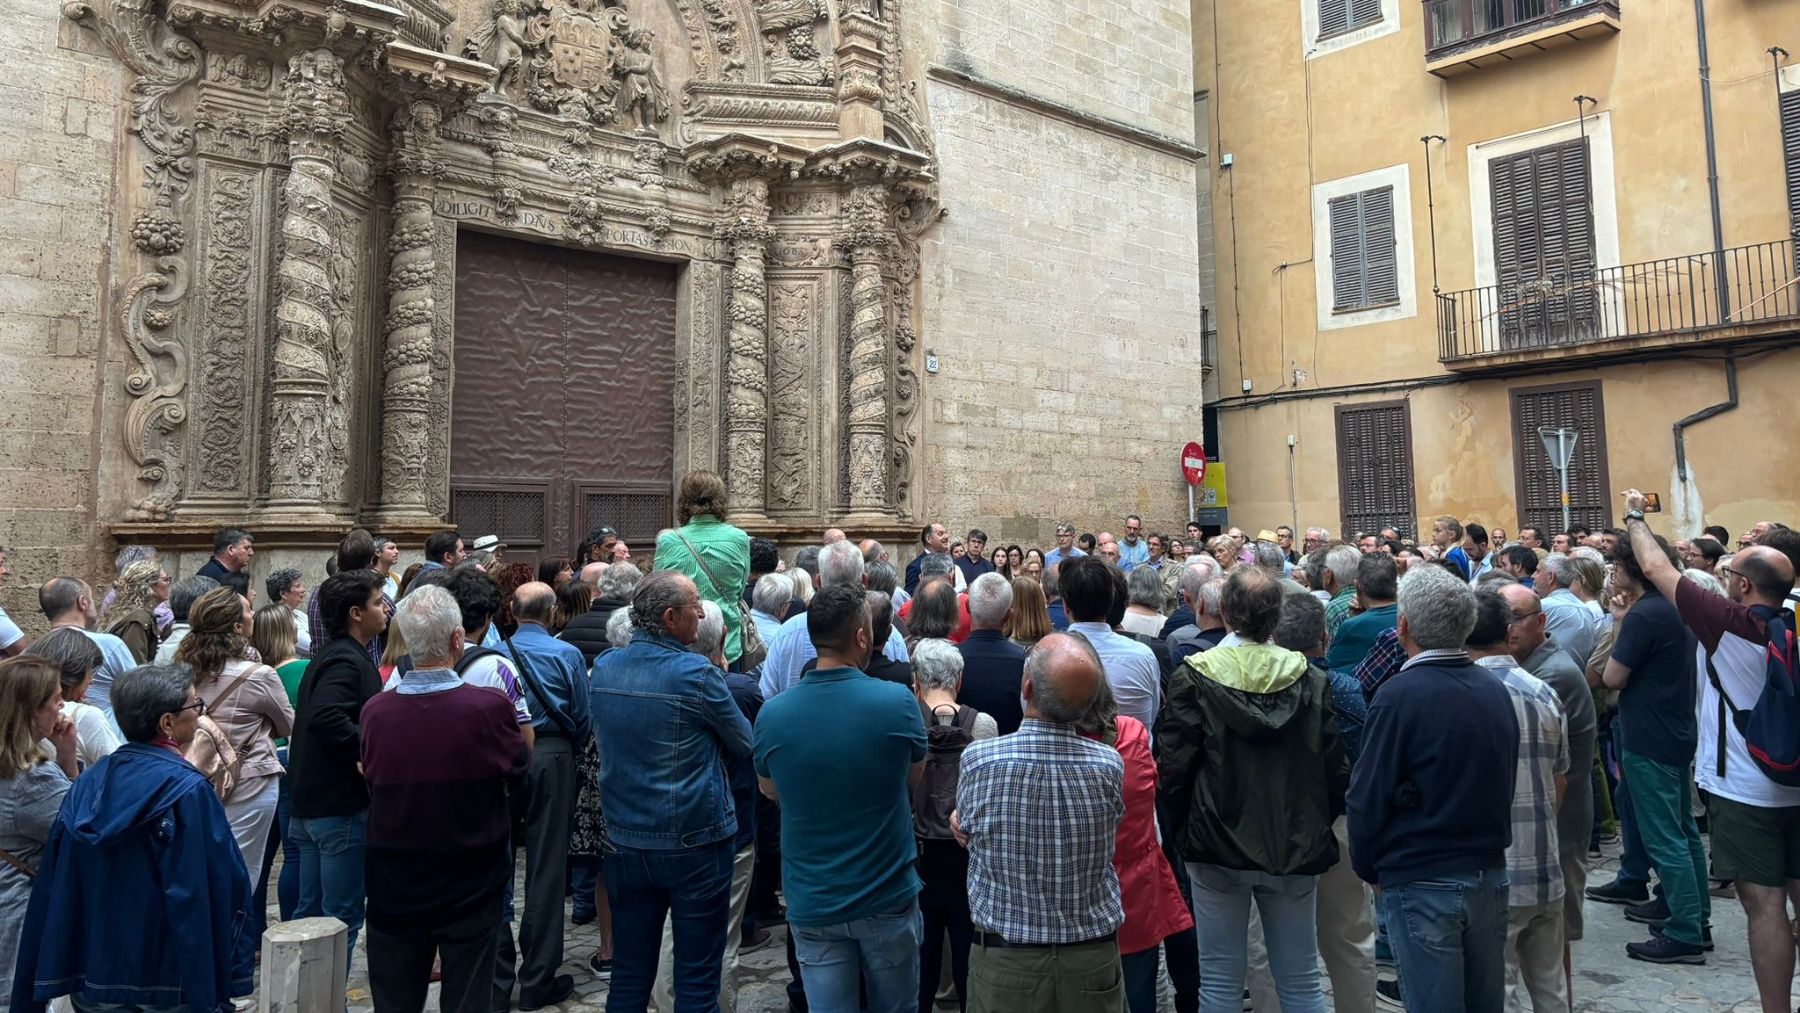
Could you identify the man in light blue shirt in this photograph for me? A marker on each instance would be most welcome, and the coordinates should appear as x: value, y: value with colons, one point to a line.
x: 1573, y: 624
x: 1131, y: 667
x: 68, y: 601
x: 1065, y: 546
x: 1134, y: 548
x: 769, y: 601
x: 791, y: 647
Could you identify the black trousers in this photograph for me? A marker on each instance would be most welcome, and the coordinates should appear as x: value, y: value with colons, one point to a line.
x: 400, y: 960
x: 944, y: 909
x: 549, y: 809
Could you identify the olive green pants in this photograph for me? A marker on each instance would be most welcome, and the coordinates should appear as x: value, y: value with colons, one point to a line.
x: 1083, y: 978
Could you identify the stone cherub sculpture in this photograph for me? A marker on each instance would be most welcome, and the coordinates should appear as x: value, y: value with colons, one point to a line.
x: 641, y: 92
x: 502, y: 43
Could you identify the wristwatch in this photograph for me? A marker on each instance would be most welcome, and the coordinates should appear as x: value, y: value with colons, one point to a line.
x: 1634, y: 515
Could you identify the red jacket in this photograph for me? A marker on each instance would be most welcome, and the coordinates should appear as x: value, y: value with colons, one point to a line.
x: 958, y: 635
x: 1154, y: 909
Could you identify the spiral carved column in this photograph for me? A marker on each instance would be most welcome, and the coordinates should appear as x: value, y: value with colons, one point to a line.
x: 406, y: 357
x: 746, y: 225
x: 866, y: 237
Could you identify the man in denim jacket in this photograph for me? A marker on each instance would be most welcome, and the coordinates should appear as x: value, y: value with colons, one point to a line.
x: 665, y: 723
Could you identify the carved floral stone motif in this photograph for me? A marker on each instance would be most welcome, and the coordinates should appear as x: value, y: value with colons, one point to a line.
x: 790, y: 49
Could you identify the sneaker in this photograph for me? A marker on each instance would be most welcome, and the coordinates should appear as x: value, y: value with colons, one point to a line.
x: 1619, y: 892
x: 1706, y: 942
x: 1653, y: 912
x: 1247, y: 1006
x: 1387, y: 994
x: 755, y: 941
x: 1594, y: 852
x: 561, y: 987
x: 602, y: 968
x: 1663, y: 950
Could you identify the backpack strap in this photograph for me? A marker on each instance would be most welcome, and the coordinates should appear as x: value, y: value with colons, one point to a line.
x: 966, y: 717
x: 471, y: 655
x: 1725, y: 704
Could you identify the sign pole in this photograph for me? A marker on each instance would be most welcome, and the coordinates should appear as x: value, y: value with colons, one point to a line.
x: 1193, y: 515
x: 1563, y: 472
x: 1559, y: 445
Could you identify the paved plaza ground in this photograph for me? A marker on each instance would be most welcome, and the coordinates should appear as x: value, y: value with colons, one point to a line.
x: 1605, y: 981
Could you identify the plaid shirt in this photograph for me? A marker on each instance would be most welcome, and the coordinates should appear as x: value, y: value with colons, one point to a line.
x: 1532, y: 863
x: 1041, y: 808
x: 1338, y: 609
x: 1381, y: 663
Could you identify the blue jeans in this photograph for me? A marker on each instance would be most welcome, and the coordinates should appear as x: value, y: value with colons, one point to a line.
x: 1288, y: 906
x: 584, y: 879
x: 692, y: 886
x: 881, y: 952
x: 1139, y: 971
x: 1449, y: 937
x: 287, y: 884
x: 331, y: 870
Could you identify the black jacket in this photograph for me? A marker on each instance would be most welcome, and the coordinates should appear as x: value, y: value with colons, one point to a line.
x: 1251, y: 770
x: 327, y: 740
x: 993, y: 667
x: 588, y: 630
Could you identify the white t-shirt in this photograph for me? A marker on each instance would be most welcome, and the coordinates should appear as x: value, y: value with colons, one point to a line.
x: 95, y: 735
x: 1737, y: 640
x: 10, y: 633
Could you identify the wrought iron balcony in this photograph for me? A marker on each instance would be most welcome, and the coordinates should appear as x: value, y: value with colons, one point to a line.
x: 1461, y: 35
x: 1748, y: 292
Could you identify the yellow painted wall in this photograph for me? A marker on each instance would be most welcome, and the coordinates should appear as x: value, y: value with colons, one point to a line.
x: 1290, y: 123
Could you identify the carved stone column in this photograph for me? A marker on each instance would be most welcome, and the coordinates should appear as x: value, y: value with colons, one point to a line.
x: 745, y: 224
x: 406, y: 357
x: 314, y: 116
x: 859, y: 72
x: 865, y: 237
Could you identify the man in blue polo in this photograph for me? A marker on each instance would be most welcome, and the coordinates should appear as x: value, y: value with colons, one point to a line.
x: 840, y: 751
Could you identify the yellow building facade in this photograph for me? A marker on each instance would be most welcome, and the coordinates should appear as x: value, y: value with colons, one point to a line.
x: 1443, y: 230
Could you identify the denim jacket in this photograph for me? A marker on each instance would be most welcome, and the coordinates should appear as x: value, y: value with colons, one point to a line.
x: 665, y: 722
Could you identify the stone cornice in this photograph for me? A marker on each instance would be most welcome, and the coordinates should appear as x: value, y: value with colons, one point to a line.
x: 738, y: 155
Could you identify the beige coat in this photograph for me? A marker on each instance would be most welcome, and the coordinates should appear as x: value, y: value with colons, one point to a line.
x: 253, y: 717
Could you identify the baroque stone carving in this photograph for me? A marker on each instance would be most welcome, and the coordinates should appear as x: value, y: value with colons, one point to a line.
x: 702, y: 363
x: 406, y: 357
x: 225, y: 330
x: 744, y: 222
x: 240, y: 70
x: 792, y: 397
x: 575, y: 58
x: 865, y: 236
x: 790, y: 42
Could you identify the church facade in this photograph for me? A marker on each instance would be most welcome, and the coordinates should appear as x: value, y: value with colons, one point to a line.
x: 516, y: 265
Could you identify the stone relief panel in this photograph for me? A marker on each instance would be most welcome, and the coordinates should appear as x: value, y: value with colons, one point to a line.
x: 349, y: 267
x: 575, y: 58
x: 703, y: 366
x: 443, y: 295
x: 793, y: 393
x: 790, y: 42
x: 229, y: 321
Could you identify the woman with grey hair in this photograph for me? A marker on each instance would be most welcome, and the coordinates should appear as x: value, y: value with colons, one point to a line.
x: 943, y: 863
x: 1143, y: 614
x: 769, y: 602
x: 287, y: 589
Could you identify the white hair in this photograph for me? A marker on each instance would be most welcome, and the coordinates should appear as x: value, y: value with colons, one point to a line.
x: 618, y: 627
x: 772, y: 594
x: 1707, y: 581
x: 427, y: 619
x: 1342, y: 561
x: 618, y: 581
x: 937, y: 664
x: 712, y: 629
x: 1322, y: 534
x: 1438, y: 606
x: 802, y: 581
x: 839, y: 563
x: 989, y: 598
x: 1195, y: 574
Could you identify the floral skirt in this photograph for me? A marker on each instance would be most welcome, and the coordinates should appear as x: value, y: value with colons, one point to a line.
x: 587, y: 831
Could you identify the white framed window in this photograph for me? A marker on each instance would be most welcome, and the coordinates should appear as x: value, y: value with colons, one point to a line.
x: 1603, y: 201
x: 1327, y: 26
x: 1362, y: 249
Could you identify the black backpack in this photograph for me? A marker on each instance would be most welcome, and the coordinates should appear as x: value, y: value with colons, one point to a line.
x: 934, y: 797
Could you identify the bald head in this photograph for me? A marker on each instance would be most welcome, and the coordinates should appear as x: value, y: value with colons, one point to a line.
x: 590, y: 574
x: 1062, y: 674
x: 533, y: 603
x: 1762, y: 576
x: 833, y: 535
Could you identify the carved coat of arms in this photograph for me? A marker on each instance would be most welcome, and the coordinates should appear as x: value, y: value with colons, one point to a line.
x: 576, y: 58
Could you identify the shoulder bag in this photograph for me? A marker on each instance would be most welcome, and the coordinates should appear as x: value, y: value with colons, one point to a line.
x: 755, y: 651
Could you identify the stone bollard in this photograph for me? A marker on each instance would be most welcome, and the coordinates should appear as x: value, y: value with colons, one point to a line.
x: 304, y: 964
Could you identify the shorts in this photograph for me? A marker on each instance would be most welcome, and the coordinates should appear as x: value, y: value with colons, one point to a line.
x: 1753, y: 843
x: 1574, y: 870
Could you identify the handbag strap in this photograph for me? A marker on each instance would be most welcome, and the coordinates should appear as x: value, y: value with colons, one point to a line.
x: 710, y: 579
x: 235, y: 683
x: 18, y: 863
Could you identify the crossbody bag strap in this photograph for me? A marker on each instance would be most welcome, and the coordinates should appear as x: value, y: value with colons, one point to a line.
x: 1725, y: 705
x: 535, y: 689
x: 710, y: 579
x: 18, y: 863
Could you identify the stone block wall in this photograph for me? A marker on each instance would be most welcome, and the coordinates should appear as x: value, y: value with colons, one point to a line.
x: 60, y: 117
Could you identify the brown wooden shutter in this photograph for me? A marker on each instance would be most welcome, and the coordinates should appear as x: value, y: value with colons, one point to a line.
x: 1375, y: 467
x: 1576, y: 406
x: 1363, y: 256
x: 1334, y: 17
x: 1544, y: 245
x: 1790, y: 149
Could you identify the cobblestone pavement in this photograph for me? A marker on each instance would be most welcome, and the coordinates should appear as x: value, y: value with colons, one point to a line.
x: 1605, y: 981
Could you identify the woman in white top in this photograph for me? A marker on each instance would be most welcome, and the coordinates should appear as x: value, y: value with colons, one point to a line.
x: 76, y: 654
x: 1144, y: 613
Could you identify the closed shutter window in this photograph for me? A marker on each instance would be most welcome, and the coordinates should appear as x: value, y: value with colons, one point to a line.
x: 1543, y: 210
x: 1339, y: 16
x: 1364, y: 262
x: 1375, y: 467
x: 1561, y: 406
x: 1790, y: 147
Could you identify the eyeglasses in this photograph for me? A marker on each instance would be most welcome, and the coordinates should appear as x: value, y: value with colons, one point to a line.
x: 198, y: 706
x: 1729, y: 572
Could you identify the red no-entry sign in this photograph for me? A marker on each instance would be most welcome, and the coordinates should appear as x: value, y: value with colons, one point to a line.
x: 1193, y: 463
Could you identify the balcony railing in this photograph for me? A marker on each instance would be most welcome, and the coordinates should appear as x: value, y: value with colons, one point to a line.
x: 1744, y: 287
x: 1455, y: 25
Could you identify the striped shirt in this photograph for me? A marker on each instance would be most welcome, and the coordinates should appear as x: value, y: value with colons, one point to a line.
x: 1533, y: 865
x: 1041, y: 809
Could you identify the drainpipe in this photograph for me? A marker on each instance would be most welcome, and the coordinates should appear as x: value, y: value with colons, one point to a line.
x: 1712, y: 167
x: 1730, y: 402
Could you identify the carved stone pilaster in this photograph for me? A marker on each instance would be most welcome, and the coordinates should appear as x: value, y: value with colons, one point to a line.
x: 301, y: 454
x: 407, y: 386
x: 859, y: 56
x: 865, y: 237
x: 744, y: 222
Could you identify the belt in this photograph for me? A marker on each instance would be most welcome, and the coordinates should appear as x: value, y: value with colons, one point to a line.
x: 993, y: 940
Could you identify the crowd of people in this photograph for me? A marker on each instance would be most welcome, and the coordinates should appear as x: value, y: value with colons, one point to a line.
x: 994, y: 777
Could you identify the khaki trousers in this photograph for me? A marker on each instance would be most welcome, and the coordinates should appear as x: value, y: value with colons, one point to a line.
x: 1083, y: 978
x: 1346, y: 939
x: 1534, y: 957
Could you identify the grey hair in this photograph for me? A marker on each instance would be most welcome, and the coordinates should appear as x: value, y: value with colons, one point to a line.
x: 1200, y: 561
x: 1101, y: 719
x: 1323, y: 534
x: 1588, y: 552
x: 937, y: 664
x: 1313, y: 565
x: 808, y: 559
x: 1494, y: 579
x: 881, y: 576
x: 1044, y: 695
x: 427, y: 619
x: 1707, y: 581
x: 184, y: 594
x: 1342, y: 561
x: 1211, y: 593
x: 656, y: 594
x: 129, y: 554
x: 1438, y: 606
x: 618, y: 627
x: 143, y: 695
x: 803, y: 585
x: 989, y: 599
x: 1142, y: 584
x: 840, y: 563
x: 618, y: 581
x: 1559, y: 566
x: 873, y: 553
x: 772, y: 593
x: 712, y: 629
x: 1302, y: 626
x: 279, y: 582
x: 935, y: 564
x: 1268, y: 556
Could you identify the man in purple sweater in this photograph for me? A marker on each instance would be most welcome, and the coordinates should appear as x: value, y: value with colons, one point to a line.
x: 438, y: 755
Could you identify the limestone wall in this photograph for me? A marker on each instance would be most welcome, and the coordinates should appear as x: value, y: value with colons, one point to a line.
x: 59, y: 118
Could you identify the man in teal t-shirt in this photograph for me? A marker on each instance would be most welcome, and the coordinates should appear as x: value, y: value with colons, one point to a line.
x: 839, y: 751
x: 1376, y: 585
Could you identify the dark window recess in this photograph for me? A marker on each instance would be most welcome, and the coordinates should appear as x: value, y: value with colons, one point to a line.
x: 636, y: 512
x: 1339, y: 16
x: 1375, y: 467
x: 1790, y: 149
x: 515, y: 514
x: 1544, y: 246
x: 1364, y: 264
x: 1575, y: 406
x: 1209, y: 440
